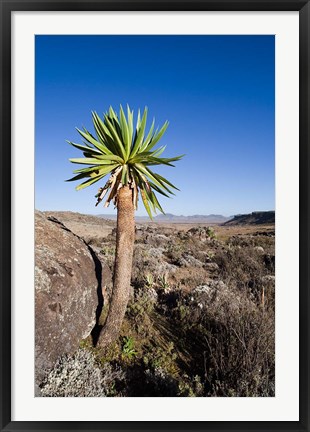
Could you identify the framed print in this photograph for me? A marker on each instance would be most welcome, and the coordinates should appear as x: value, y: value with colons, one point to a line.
x: 124, y: 309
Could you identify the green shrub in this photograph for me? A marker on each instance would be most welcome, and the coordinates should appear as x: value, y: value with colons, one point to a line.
x: 163, y: 358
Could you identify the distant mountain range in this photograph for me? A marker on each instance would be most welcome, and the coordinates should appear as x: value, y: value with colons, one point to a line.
x: 254, y: 218
x: 171, y: 218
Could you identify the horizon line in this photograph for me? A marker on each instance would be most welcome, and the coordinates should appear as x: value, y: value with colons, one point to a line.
x: 165, y: 214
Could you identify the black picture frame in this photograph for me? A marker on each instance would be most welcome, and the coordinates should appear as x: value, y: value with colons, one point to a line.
x: 7, y: 7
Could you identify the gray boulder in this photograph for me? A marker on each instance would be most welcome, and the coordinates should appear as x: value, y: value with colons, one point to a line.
x: 67, y: 289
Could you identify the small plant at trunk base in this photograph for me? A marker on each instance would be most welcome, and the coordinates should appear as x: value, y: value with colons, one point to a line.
x: 149, y: 279
x: 163, y: 282
x: 125, y: 153
x: 128, y: 348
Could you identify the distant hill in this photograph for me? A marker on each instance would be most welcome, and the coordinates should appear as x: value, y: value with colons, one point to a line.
x: 212, y: 218
x: 171, y: 218
x: 254, y: 218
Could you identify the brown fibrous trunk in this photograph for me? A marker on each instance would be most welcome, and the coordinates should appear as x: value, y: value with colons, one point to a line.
x: 125, y: 236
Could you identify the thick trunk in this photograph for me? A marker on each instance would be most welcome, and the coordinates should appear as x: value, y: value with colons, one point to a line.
x: 125, y: 236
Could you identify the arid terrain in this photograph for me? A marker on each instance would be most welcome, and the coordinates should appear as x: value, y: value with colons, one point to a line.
x: 200, y: 321
x: 88, y: 226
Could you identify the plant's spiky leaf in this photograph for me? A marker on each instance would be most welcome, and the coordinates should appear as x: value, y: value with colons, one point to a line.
x: 159, y: 161
x: 130, y: 123
x: 91, y: 169
x: 138, y: 120
x: 78, y: 177
x: 146, y: 203
x: 159, y: 190
x: 84, y: 148
x: 88, y: 161
x: 148, y: 137
x: 109, y: 141
x: 117, y: 139
x: 151, y: 160
x: 125, y: 175
x: 156, y: 203
x: 159, y: 151
x: 164, y: 180
x: 96, y: 175
x: 157, y: 136
x: 91, y: 140
x: 112, y: 114
x: 149, y: 196
x: 111, y: 158
x: 103, y: 170
x: 100, y: 133
x: 152, y: 176
x: 137, y: 159
x: 140, y: 134
x: 125, y: 132
x: 89, y: 182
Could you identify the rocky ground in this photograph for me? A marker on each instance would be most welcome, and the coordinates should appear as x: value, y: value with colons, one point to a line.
x: 85, y: 226
x: 200, y: 321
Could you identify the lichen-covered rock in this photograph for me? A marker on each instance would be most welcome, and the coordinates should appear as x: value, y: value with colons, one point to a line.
x: 79, y: 375
x: 66, y: 292
x: 189, y: 261
x: 259, y: 249
x: 211, y: 266
x: 224, y: 300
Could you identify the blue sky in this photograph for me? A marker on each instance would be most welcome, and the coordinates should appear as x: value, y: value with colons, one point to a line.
x: 217, y: 92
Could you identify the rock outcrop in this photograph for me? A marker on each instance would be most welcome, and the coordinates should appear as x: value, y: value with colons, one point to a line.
x: 68, y: 288
x: 254, y: 218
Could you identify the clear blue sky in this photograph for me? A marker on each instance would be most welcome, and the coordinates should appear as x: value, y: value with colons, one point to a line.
x: 216, y: 91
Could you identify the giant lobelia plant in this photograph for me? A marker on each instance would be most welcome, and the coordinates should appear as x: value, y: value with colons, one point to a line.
x: 125, y: 154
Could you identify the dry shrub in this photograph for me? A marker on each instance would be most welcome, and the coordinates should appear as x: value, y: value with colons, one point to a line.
x: 188, y: 277
x: 239, y: 356
x: 232, y: 341
x: 238, y: 266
